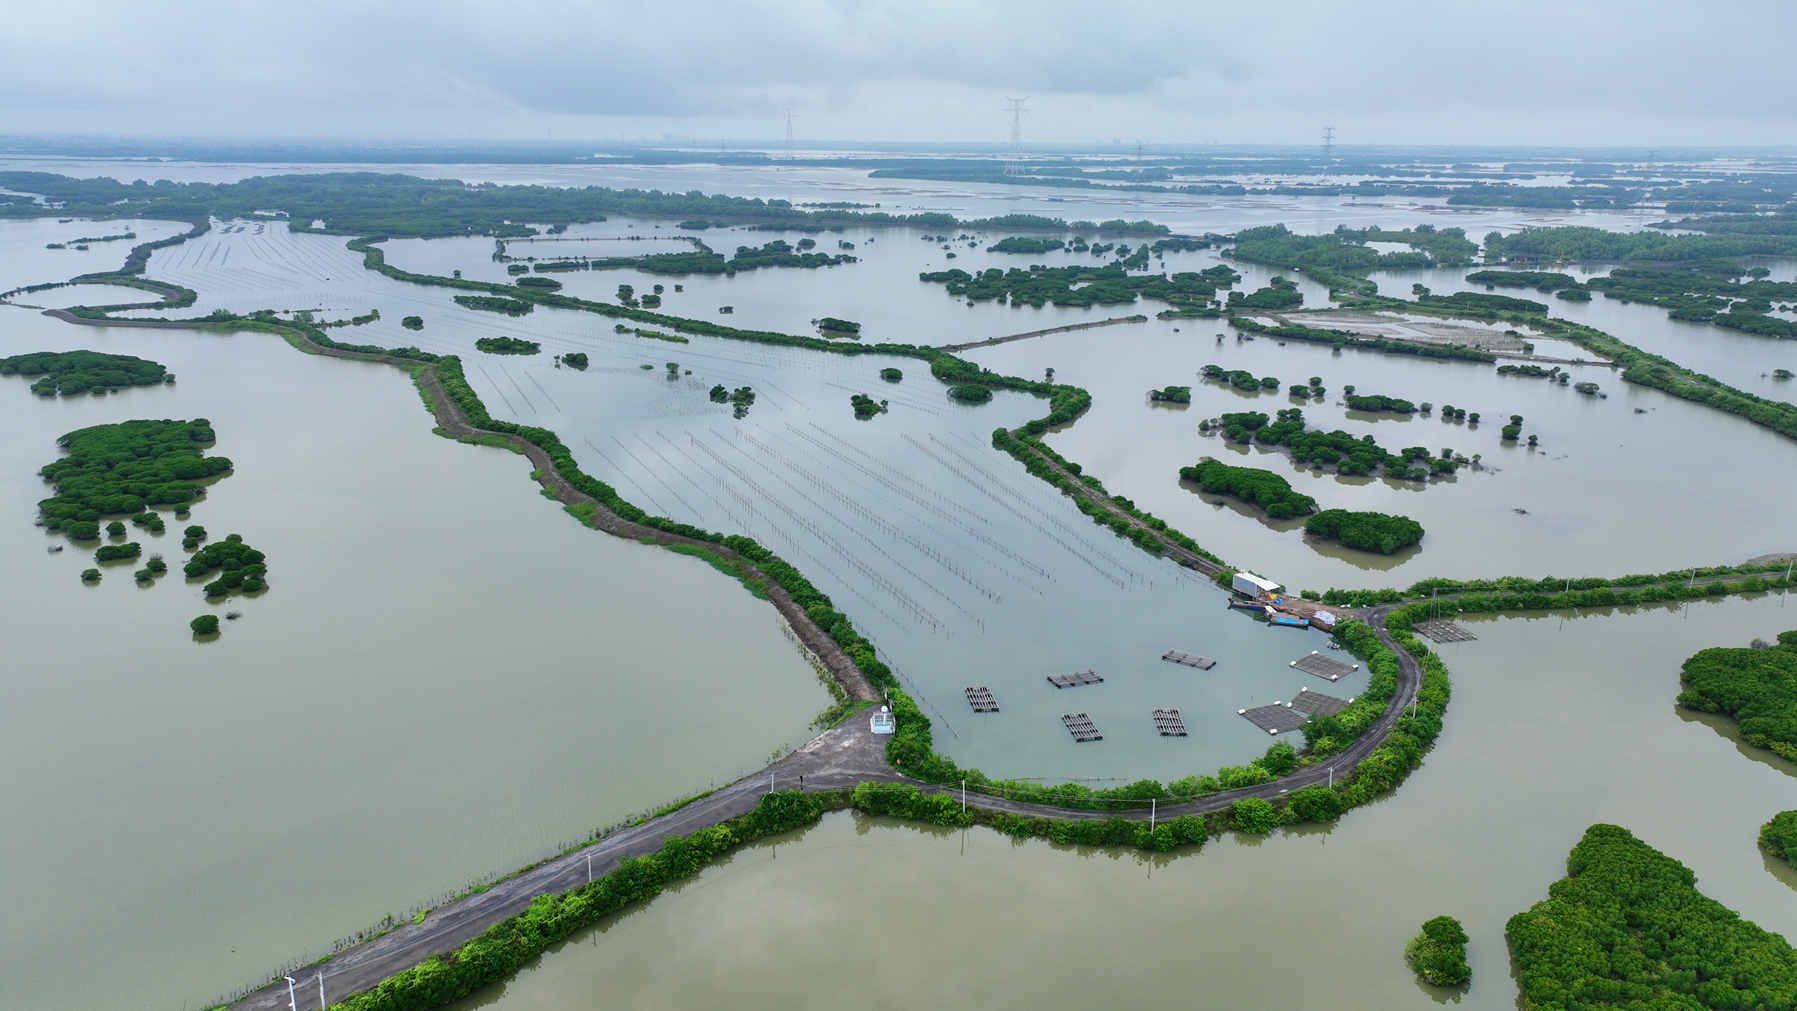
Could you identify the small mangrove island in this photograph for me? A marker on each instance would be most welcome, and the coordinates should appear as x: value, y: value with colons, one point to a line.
x: 74, y: 372
x: 121, y: 469
x: 1262, y: 488
x: 507, y: 346
x: 1365, y: 531
x: 240, y: 566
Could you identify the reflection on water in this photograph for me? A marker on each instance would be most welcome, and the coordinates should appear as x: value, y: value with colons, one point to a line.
x: 1558, y: 721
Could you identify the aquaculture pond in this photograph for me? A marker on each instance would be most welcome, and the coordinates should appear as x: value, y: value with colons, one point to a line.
x: 447, y: 679
x: 437, y: 635
x: 1558, y: 721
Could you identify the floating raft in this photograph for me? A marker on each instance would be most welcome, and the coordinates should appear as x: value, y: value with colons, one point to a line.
x: 1169, y: 723
x: 1316, y: 703
x: 1444, y: 631
x: 982, y: 700
x: 1081, y: 727
x: 1323, y: 667
x: 1189, y: 659
x: 1277, y: 718
x: 1078, y: 677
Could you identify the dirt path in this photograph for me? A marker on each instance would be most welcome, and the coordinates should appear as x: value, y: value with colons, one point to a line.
x: 1041, y: 333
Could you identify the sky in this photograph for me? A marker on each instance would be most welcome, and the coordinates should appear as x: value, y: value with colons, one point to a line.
x: 1578, y: 74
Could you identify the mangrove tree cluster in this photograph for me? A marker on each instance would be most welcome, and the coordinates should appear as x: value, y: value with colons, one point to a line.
x: 240, y: 567
x: 1252, y: 485
x: 73, y: 372
x: 122, y: 468
x: 1757, y: 687
x: 1365, y: 531
x: 1627, y: 928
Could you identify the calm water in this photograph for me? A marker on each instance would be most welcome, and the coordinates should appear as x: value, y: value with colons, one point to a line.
x: 965, y: 571
x: 450, y: 678
x: 1557, y: 722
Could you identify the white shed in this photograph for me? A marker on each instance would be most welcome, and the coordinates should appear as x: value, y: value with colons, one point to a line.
x: 1251, y: 585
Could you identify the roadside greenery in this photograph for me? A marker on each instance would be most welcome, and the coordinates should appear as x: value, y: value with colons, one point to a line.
x: 73, y: 372
x: 1262, y: 488
x: 119, y: 469
x: 1627, y: 927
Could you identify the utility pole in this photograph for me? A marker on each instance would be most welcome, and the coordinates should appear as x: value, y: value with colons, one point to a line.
x: 321, y: 1004
x: 1328, y: 149
x: 789, y: 148
x: 292, y: 1001
x: 1014, y: 160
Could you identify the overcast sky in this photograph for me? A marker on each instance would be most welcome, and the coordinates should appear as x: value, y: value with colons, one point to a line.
x: 1561, y: 73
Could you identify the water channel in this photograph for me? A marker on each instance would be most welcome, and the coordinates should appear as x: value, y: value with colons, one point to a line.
x: 313, y: 770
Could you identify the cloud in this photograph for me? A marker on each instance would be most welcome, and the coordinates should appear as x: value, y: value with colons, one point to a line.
x: 1403, y: 72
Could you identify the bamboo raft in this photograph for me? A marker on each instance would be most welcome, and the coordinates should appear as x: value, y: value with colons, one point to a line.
x: 1323, y: 667
x: 1277, y: 718
x: 1444, y: 631
x: 1189, y: 659
x: 1075, y: 679
x: 982, y: 700
x: 1316, y: 703
x: 1169, y: 723
x: 1081, y: 727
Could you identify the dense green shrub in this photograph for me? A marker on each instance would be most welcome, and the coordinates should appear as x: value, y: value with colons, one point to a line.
x: 1438, y: 954
x: 240, y: 566
x: 412, y: 322
x: 507, y: 346
x: 1477, y: 301
x: 1378, y: 403
x: 864, y: 406
x: 575, y: 359
x: 1172, y: 394
x: 1263, y: 488
x: 1537, y: 279
x: 73, y: 372
x: 1627, y: 927
x: 539, y: 283
x: 972, y: 393
x: 835, y: 325
x: 891, y: 375
x: 205, y: 624
x: 1367, y: 531
x: 1020, y: 244
x: 1758, y: 687
x: 1251, y: 814
x: 1281, y: 294
x: 117, y: 552
x: 1779, y: 836
x: 490, y: 303
x: 123, y: 467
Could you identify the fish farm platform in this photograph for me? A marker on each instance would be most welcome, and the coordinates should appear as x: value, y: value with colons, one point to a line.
x: 982, y: 700
x: 1081, y: 727
x: 1078, y: 677
x: 1444, y: 631
x: 1323, y: 667
x: 1277, y: 718
x: 1189, y: 659
x: 1169, y: 723
x: 1316, y: 703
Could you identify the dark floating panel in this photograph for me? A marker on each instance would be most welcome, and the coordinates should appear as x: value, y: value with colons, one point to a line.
x: 1316, y: 703
x: 1444, y: 631
x: 1189, y: 659
x: 982, y: 700
x: 1323, y: 667
x: 1169, y: 723
x: 1277, y: 718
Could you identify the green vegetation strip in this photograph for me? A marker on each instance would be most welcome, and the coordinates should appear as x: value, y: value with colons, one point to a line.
x: 122, y: 468
x: 1779, y: 836
x: 1627, y: 928
x: 1756, y: 687
x: 73, y: 372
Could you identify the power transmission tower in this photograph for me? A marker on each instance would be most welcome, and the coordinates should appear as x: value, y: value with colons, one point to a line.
x: 1014, y: 164
x: 1328, y: 148
x: 789, y: 149
x: 1138, y: 149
